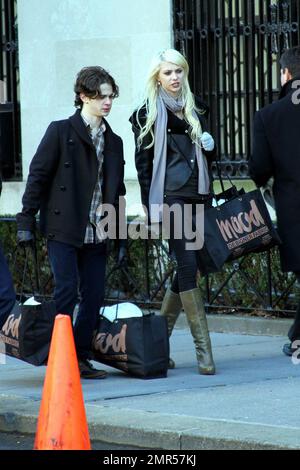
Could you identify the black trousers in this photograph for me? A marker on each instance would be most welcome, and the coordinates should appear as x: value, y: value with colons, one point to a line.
x: 79, y: 270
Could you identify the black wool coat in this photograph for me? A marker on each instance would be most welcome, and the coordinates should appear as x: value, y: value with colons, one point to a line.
x: 276, y: 153
x: 62, y: 178
x: 144, y: 157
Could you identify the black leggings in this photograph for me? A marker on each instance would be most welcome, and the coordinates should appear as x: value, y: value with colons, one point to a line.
x: 185, y: 278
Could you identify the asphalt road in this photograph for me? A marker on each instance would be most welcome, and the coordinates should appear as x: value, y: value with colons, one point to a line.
x: 12, y: 441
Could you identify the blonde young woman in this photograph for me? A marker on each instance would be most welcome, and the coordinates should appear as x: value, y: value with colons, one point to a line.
x: 172, y: 155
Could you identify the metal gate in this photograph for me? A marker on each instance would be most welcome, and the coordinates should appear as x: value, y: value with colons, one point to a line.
x: 10, y: 151
x: 233, y: 47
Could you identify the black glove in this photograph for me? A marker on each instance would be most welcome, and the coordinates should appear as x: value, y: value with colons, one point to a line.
x: 25, y: 237
x: 122, y: 260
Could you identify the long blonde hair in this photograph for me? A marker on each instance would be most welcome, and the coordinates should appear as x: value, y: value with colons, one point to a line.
x: 152, y: 90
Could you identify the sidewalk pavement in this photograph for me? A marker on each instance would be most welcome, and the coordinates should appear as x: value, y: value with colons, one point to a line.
x: 251, y: 403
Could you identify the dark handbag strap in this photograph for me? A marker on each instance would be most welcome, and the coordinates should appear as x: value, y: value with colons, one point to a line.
x: 229, y: 193
x: 204, y: 197
x: 181, y: 152
x: 226, y: 194
x: 217, y: 165
x: 28, y: 251
x: 118, y: 298
x: 117, y: 309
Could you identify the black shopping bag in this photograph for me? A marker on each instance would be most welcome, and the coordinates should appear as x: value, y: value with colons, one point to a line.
x: 235, y: 228
x: 136, y: 345
x: 26, y: 333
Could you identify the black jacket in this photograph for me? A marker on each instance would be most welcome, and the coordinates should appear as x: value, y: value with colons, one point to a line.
x: 179, y: 167
x: 62, y: 178
x: 276, y: 153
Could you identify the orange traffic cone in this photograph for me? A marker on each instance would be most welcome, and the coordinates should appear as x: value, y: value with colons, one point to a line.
x: 62, y: 421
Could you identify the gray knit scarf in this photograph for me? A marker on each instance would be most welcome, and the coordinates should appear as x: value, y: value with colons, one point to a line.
x: 156, y: 195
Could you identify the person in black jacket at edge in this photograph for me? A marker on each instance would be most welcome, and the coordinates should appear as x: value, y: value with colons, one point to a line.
x: 77, y: 169
x: 7, y: 291
x: 172, y: 160
x: 276, y: 153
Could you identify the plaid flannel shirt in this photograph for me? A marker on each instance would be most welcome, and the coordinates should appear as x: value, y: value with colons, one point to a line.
x: 92, y: 234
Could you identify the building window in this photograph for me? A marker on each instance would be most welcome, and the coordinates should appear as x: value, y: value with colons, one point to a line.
x: 233, y: 47
x: 10, y: 142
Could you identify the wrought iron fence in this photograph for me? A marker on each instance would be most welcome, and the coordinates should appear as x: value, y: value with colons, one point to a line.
x: 10, y: 141
x: 253, y: 283
x: 233, y: 47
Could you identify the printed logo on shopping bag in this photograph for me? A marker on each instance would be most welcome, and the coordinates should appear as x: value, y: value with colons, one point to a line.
x: 10, y: 331
x: 250, y: 223
x: 104, y: 341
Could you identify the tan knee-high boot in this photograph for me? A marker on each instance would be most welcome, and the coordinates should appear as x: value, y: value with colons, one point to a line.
x: 194, y: 309
x: 170, y: 308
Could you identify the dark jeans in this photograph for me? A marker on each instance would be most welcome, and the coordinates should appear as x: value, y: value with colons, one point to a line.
x: 7, y: 291
x: 294, y: 331
x: 84, y: 268
x: 185, y: 278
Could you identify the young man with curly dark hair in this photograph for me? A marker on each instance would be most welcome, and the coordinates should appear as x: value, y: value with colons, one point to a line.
x: 78, y: 167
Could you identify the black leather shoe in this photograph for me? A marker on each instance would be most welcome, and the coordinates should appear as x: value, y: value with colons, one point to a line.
x: 288, y: 350
x: 88, y: 371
